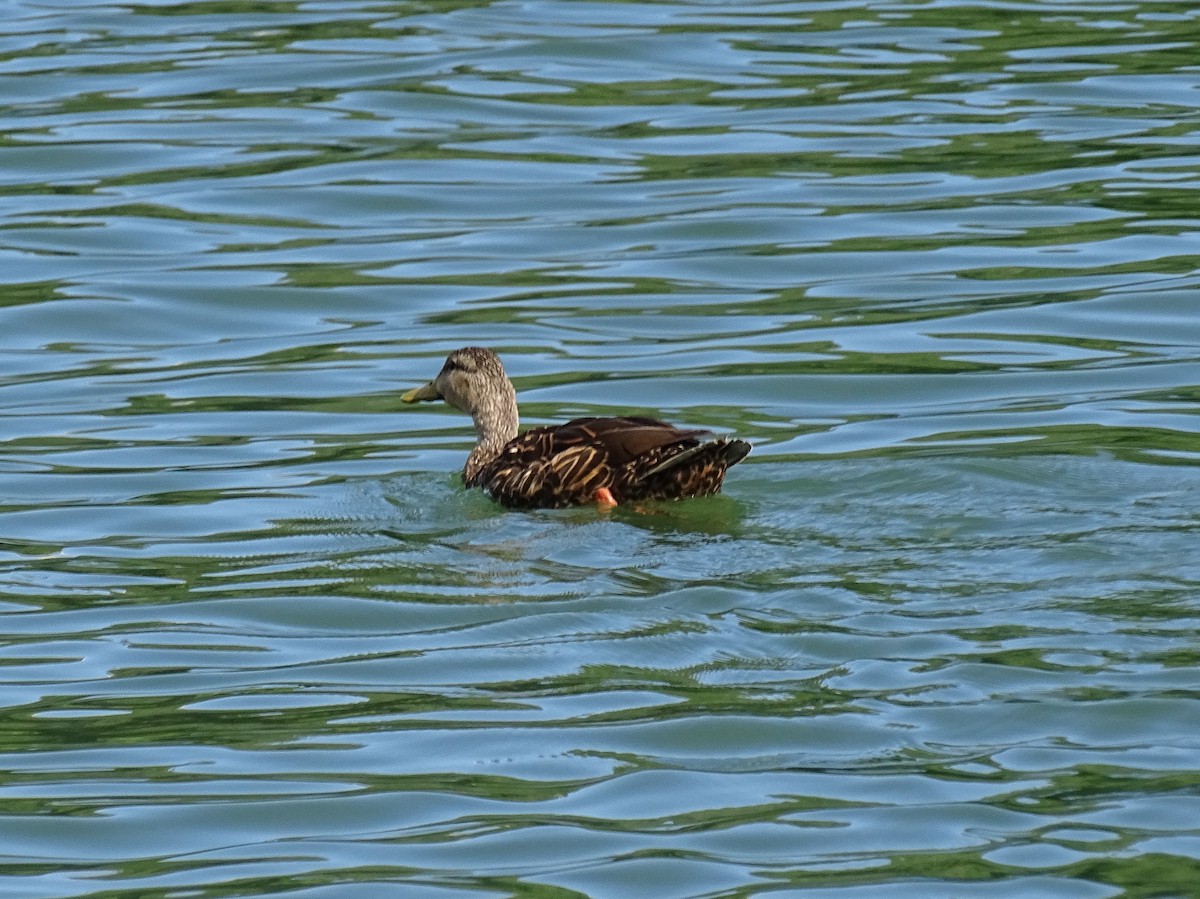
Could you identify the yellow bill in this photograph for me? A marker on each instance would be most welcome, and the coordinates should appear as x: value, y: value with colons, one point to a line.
x: 420, y: 394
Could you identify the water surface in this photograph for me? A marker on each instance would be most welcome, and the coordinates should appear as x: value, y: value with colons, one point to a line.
x: 937, y: 261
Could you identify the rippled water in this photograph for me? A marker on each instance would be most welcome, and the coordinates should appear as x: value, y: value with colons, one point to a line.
x: 938, y: 261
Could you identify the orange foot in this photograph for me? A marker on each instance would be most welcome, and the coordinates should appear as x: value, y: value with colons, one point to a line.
x: 604, y: 499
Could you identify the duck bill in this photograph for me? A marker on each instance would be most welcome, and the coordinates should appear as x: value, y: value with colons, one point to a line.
x: 422, y: 394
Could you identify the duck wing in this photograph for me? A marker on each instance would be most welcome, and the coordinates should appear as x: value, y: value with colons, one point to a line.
x: 624, y: 439
x: 566, y: 464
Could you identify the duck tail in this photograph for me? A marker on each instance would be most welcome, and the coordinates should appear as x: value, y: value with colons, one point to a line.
x: 728, y: 452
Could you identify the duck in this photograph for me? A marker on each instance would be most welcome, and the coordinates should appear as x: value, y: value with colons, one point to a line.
x: 606, y: 461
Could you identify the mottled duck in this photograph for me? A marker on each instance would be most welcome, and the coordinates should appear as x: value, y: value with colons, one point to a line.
x: 602, y: 460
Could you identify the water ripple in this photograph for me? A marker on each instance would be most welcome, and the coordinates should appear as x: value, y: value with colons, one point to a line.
x: 938, y: 263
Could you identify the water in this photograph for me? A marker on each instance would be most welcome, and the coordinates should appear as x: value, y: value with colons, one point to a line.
x: 937, y: 261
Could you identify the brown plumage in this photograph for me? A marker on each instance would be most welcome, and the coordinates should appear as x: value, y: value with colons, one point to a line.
x: 585, y: 460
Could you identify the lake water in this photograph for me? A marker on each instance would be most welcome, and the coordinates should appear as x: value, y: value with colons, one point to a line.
x: 938, y: 638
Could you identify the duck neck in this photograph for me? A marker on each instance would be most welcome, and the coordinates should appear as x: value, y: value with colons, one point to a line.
x: 496, y: 423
